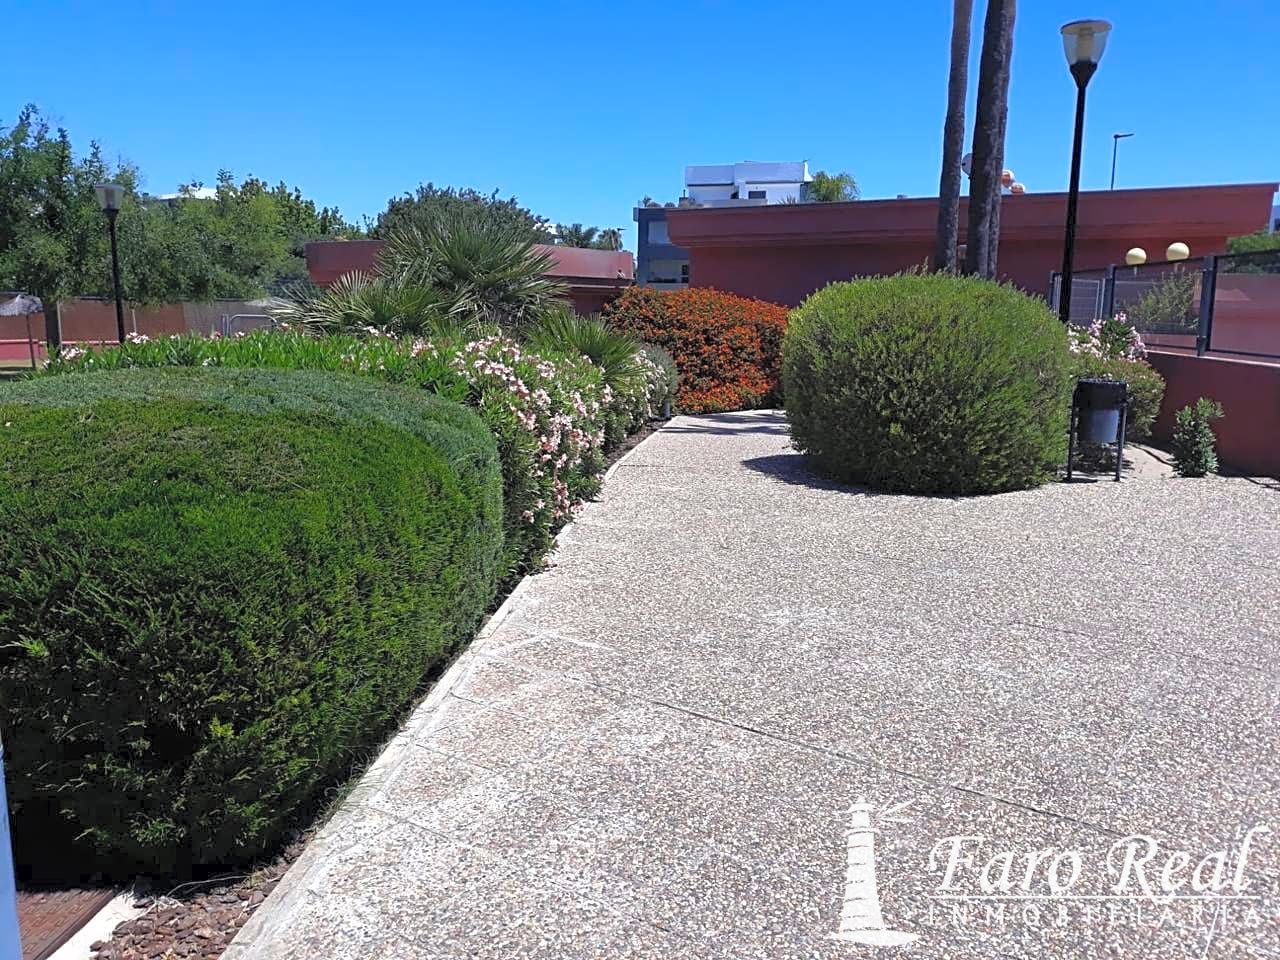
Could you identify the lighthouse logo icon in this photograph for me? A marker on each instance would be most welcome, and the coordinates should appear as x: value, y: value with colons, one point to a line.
x: 860, y: 918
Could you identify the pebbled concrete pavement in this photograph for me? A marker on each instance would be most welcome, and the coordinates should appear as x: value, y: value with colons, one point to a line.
x: 748, y: 714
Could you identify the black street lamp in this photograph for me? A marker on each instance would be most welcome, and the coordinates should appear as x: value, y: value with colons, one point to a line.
x: 1083, y: 41
x: 110, y: 196
x: 1115, y: 148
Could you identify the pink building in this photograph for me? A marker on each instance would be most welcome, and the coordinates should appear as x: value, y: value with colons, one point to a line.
x: 784, y: 252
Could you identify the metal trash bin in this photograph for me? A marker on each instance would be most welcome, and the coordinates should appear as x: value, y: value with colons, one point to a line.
x: 1099, y: 411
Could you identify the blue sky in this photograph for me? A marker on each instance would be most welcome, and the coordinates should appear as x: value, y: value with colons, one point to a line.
x: 580, y: 109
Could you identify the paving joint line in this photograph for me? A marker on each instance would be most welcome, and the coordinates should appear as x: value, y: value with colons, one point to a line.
x: 816, y: 748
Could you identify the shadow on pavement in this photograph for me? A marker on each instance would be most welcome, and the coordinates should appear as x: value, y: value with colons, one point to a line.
x: 793, y: 468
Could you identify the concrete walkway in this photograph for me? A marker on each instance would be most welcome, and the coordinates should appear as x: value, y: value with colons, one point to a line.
x: 747, y: 711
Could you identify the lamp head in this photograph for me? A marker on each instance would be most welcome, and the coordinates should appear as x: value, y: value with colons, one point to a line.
x: 1083, y: 42
x: 110, y: 196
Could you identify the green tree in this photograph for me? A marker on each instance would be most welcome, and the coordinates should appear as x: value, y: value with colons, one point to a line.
x: 1254, y: 242
x: 53, y: 241
x: 245, y: 241
x: 610, y: 238
x: 576, y: 235
x: 595, y: 238
x: 429, y: 202
x: 831, y: 187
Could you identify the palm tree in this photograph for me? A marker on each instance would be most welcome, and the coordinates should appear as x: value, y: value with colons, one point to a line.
x: 610, y: 239
x: 482, y: 270
x: 575, y: 234
x: 944, y: 254
x: 988, y: 139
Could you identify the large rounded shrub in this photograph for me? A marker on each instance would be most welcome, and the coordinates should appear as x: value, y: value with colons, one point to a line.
x: 727, y: 348
x: 553, y: 414
x: 219, y: 589
x: 928, y: 384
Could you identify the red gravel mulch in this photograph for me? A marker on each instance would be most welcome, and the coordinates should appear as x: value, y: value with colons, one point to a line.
x: 196, y: 921
x: 48, y: 918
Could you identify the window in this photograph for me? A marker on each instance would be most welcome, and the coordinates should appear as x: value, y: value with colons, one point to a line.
x: 756, y: 194
x: 684, y: 273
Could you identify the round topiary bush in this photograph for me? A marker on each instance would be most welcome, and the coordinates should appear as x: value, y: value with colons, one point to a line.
x: 219, y: 590
x: 928, y: 383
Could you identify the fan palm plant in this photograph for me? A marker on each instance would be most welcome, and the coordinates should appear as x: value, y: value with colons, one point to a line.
x: 563, y: 331
x: 357, y: 302
x: 482, y: 271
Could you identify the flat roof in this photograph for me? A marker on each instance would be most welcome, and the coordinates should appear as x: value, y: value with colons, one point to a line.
x: 1228, y: 209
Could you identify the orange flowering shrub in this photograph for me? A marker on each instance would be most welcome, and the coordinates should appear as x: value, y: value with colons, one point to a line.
x: 727, y: 348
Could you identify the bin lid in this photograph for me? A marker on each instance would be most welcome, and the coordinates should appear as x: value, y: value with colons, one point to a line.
x: 1098, y: 394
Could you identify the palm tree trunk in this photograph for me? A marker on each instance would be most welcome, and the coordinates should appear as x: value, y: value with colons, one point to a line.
x: 944, y: 254
x: 988, y: 139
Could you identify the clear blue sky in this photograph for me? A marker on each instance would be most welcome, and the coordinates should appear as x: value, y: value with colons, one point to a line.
x: 580, y: 109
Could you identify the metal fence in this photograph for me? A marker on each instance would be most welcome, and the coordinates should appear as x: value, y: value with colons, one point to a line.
x: 1228, y: 304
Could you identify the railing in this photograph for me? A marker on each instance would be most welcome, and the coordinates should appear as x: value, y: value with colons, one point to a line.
x: 1227, y: 304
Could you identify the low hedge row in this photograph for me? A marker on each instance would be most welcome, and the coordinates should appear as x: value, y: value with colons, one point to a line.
x: 218, y: 590
x: 728, y: 348
x: 554, y: 415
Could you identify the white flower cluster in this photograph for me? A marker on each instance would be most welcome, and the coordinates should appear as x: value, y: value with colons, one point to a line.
x: 564, y: 432
x: 1108, y: 339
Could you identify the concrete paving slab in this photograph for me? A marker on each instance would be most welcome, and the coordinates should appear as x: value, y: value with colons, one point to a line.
x: 749, y: 713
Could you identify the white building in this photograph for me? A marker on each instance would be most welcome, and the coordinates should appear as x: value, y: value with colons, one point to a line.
x: 727, y: 184
x: 662, y: 264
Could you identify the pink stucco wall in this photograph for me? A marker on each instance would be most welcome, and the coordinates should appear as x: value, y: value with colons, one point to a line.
x: 1249, y: 391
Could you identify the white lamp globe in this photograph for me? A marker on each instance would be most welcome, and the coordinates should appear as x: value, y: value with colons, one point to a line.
x: 1135, y: 256
x: 1177, y: 251
x: 1084, y: 40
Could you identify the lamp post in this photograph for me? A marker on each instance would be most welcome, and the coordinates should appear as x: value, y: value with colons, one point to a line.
x: 1115, y: 146
x: 110, y: 196
x: 1083, y: 41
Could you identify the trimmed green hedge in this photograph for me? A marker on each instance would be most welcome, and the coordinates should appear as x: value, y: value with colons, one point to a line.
x: 219, y: 589
x: 928, y: 383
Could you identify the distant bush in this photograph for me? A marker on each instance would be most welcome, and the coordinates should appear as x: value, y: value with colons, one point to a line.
x: 553, y: 414
x: 928, y: 384
x: 1194, y: 442
x: 1169, y: 305
x: 727, y: 348
x: 1113, y: 350
x: 218, y: 590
